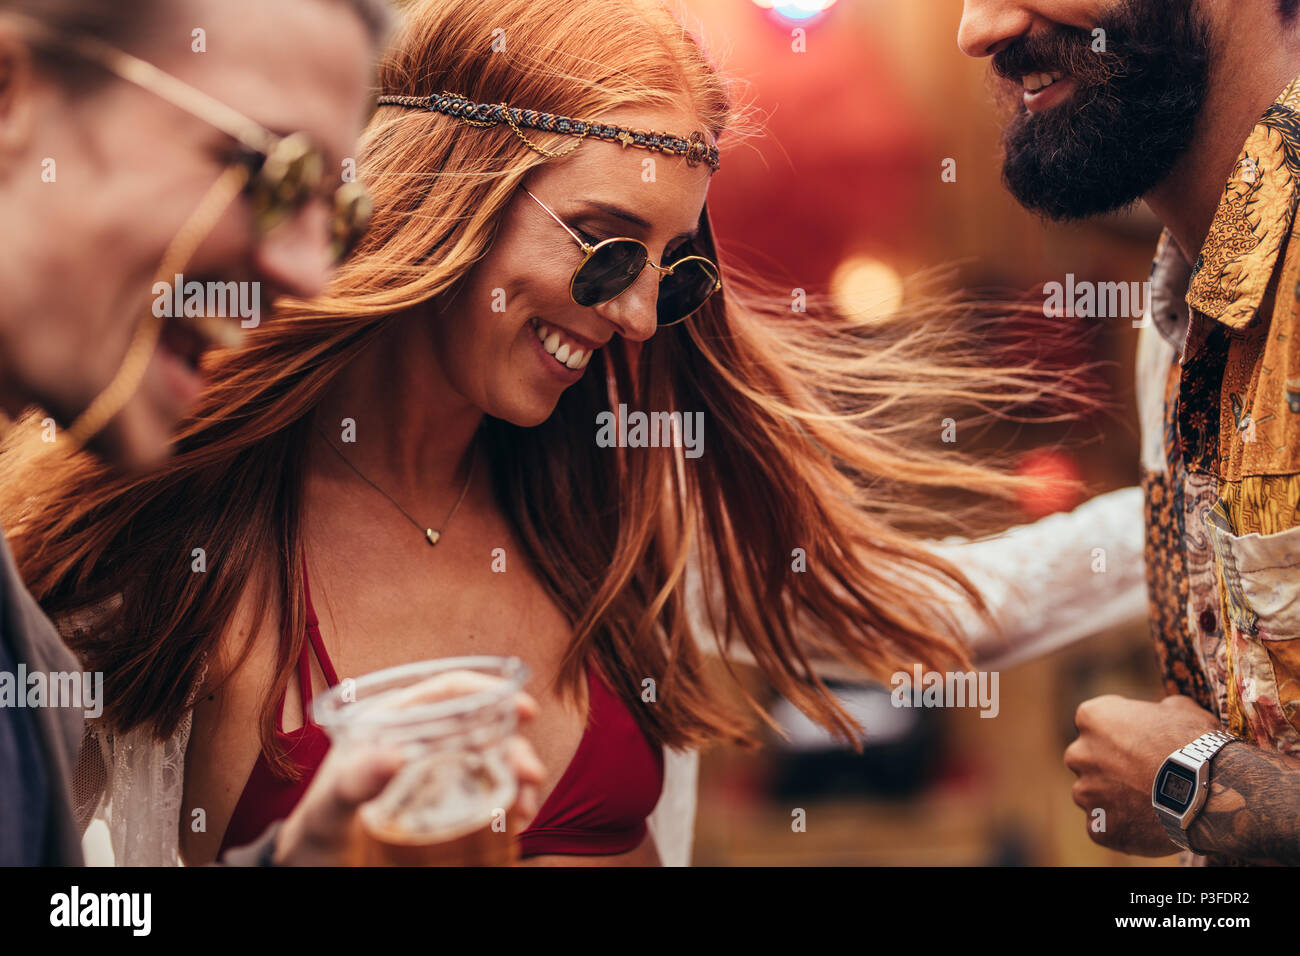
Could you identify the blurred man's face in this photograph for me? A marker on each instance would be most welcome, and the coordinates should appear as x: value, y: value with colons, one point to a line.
x: 131, y: 169
x: 1103, y: 96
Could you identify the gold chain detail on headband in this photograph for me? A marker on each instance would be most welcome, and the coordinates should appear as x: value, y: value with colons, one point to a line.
x: 694, y: 148
x: 136, y: 361
x: 549, y: 154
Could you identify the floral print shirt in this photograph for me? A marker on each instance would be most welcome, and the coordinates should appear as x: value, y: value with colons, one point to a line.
x: 1219, y: 390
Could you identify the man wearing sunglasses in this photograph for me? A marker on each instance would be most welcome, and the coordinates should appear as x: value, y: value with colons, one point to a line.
x: 141, y: 140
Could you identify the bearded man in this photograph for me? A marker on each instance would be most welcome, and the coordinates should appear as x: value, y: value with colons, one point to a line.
x: 1116, y: 101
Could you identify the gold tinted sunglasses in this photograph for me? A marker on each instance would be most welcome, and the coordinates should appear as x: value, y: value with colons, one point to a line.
x: 611, y: 266
x: 284, y: 172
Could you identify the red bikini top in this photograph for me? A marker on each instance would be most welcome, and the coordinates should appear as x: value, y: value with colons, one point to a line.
x: 599, y: 806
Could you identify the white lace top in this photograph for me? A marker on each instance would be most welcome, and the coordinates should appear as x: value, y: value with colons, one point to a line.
x: 1048, y: 584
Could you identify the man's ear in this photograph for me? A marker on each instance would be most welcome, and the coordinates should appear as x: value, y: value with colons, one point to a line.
x: 18, y: 84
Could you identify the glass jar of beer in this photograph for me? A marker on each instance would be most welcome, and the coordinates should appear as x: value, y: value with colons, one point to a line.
x: 448, y: 804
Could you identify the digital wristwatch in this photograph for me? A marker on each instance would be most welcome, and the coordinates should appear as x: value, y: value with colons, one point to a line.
x: 1182, y: 784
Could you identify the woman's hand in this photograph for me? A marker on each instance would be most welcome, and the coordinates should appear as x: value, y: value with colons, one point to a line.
x: 320, y: 830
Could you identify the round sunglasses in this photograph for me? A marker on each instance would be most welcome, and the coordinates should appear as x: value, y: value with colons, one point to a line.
x: 610, y: 267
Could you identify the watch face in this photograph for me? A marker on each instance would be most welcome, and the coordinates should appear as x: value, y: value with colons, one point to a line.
x: 1175, y: 787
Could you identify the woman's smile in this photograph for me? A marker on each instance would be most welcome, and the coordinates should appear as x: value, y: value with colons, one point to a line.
x: 561, y: 353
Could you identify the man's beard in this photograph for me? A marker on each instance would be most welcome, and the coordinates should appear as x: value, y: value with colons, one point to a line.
x: 1129, y: 120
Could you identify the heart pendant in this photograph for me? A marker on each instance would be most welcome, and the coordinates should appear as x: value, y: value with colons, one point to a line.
x: 432, y: 535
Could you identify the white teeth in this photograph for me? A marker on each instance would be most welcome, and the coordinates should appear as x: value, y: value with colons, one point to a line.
x: 1037, y: 81
x: 570, y: 356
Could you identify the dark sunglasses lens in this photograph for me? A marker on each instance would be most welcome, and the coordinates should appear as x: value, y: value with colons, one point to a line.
x: 688, y: 288
x: 613, y: 267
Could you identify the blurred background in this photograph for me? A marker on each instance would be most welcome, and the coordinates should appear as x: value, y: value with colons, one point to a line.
x: 863, y: 113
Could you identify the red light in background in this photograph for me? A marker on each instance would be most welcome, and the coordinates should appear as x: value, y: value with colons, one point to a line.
x: 1051, y: 492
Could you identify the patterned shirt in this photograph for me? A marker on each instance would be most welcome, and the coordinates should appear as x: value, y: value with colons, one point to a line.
x: 1219, y: 390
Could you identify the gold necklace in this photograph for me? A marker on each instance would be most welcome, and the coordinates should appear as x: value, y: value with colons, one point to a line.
x: 432, y: 535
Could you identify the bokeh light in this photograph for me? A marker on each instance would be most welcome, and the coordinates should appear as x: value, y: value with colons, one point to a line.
x: 866, y: 287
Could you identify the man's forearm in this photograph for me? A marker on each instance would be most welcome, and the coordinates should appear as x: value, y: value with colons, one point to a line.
x: 1253, y: 813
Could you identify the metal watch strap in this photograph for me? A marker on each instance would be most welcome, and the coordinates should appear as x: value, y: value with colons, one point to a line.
x: 1202, y: 749
x: 1206, y: 746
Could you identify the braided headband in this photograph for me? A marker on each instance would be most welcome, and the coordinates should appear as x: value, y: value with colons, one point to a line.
x: 694, y: 148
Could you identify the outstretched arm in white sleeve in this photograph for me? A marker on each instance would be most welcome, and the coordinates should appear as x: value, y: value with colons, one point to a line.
x: 1051, y: 583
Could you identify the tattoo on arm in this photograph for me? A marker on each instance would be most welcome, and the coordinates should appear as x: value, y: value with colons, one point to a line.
x: 1253, y: 813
